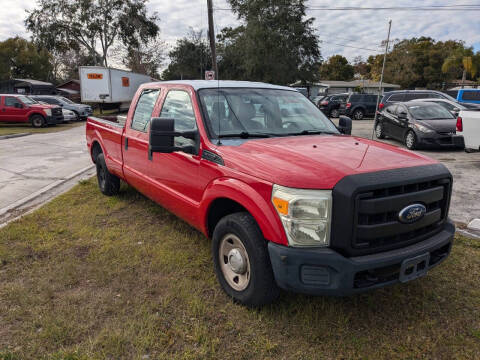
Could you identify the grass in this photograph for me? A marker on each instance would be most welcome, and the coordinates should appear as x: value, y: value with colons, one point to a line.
x: 10, y: 129
x: 92, y: 277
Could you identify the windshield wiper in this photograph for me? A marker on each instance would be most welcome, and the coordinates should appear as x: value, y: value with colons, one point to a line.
x: 245, y: 135
x: 310, y: 132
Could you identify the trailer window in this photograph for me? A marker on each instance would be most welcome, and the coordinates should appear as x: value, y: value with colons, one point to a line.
x: 143, y: 111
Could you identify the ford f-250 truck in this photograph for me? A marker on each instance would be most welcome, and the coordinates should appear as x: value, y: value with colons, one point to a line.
x: 15, y: 108
x: 290, y: 200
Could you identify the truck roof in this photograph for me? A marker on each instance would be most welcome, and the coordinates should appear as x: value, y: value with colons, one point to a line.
x: 210, y: 84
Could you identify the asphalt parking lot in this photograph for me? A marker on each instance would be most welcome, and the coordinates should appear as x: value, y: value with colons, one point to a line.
x: 465, y: 168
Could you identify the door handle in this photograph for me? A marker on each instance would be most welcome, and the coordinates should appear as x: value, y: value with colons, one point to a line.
x: 126, y: 143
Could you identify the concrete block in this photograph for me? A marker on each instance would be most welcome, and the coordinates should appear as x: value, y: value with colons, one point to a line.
x: 474, y: 225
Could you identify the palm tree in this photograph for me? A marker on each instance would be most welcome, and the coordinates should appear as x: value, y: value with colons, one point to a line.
x: 459, y: 60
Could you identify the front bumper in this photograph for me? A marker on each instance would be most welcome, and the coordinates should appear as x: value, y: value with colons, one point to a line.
x: 440, y: 141
x: 54, y: 119
x: 323, y: 271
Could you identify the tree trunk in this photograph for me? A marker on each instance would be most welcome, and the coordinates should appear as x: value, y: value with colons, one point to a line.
x: 464, y: 76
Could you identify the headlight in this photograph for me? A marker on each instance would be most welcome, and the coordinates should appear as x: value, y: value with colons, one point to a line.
x: 48, y: 112
x: 424, y: 129
x: 305, y: 214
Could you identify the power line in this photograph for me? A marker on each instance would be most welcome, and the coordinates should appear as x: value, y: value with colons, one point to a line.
x: 458, y: 7
x: 350, y: 46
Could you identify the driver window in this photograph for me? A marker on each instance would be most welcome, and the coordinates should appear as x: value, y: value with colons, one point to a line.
x: 11, y: 101
x: 178, y: 106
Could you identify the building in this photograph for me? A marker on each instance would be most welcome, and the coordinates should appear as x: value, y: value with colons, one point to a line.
x: 27, y: 86
x: 70, y: 89
x: 328, y: 87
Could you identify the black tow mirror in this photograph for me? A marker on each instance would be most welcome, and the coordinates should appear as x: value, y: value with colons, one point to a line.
x: 345, y: 125
x: 162, y: 137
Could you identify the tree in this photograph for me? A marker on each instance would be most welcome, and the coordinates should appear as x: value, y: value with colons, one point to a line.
x: 189, y: 58
x: 461, y: 59
x: 337, y: 68
x: 276, y: 44
x: 20, y: 58
x: 361, y: 68
x: 63, y: 25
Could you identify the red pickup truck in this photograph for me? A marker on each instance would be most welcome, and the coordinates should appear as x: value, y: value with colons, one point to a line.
x: 290, y: 200
x: 16, y: 108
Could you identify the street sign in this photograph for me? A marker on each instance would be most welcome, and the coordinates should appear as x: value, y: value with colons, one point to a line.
x: 209, y: 75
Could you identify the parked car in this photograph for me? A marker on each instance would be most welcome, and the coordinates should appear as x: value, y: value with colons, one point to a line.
x: 453, y: 106
x: 317, y: 99
x: 69, y: 115
x: 468, y: 125
x: 391, y: 97
x: 469, y: 96
x: 289, y: 200
x: 419, y: 124
x: 330, y: 105
x: 80, y: 110
x: 358, y: 106
x: 23, y: 109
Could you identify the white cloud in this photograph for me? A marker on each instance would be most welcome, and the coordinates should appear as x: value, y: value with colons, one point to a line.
x: 356, y: 28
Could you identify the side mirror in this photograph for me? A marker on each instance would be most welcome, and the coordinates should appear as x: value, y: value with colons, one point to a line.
x: 162, y: 137
x: 402, y: 116
x: 345, y: 125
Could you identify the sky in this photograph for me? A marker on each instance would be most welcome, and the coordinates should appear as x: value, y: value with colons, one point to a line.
x: 363, y: 29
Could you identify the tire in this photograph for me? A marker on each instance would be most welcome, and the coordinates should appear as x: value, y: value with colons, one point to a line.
x: 108, y: 183
x: 334, y: 113
x: 76, y: 114
x: 38, y: 121
x: 379, y: 131
x: 358, y: 114
x: 411, y: 140
x: 237, y: 236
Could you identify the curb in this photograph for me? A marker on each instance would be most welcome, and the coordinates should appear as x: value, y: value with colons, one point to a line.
x: 11, y: 136
x: 474, y: 225
x: 43, y: 190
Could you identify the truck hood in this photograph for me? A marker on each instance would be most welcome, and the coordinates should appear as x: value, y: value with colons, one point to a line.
x: 314, y: 162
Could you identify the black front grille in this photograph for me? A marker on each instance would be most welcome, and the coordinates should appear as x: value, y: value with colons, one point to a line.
x: 377, y: 223
x: 366, y: 207
x: 56, y: 111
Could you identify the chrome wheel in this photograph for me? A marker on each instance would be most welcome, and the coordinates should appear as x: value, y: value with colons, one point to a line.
x: 334, y: 113
x: 234, y: 262
x: 378, y: 131
x: 358, y: 114
x: 410, y: 140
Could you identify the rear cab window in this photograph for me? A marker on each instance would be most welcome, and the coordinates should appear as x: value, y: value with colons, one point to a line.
x: 11, y: 101
x: 144, y: 109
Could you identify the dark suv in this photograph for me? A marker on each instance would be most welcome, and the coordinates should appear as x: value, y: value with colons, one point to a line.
x: 330, y: 104
x: 359, y: 106
x: 80, y: 110
x: 407, y: 95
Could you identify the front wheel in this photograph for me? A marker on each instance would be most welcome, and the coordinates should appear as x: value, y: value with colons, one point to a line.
x: 108, y: 183
x: 38, y: 121
x: 358, y: 114
x: 411, y: 140
x: 241, y: 261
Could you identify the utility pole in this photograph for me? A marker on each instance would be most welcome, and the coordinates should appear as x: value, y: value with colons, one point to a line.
x: 381, y: 76
x: 211, y: 35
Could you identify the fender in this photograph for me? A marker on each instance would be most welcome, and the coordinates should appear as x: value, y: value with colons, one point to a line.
x: 114, y: 166
x: 250, y: 198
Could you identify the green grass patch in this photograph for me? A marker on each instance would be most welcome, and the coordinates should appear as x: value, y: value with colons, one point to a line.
x: 10, y: 129
x: 92, y: 277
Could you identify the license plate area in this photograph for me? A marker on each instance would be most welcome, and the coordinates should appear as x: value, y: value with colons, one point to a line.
x: 414, y: 268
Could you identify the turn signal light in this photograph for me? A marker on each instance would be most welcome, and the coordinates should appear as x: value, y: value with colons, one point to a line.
x: 459, y: 124
x: 281, y: 205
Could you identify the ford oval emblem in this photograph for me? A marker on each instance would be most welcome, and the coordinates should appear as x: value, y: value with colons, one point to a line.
x: 412, y: 213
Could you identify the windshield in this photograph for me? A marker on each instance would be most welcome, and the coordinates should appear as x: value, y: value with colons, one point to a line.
x: 27, y: 100
x: 268, y: 112
x: 64, y: 99
x: 429, y: 112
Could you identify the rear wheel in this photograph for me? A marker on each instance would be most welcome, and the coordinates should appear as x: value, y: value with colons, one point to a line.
x: 358, y: 114
x: 38, y: 121
x: 379, y: 132
x: 108, y: 183
x: 241, y: 261
x: 411, y: 140
x: 334, y: 113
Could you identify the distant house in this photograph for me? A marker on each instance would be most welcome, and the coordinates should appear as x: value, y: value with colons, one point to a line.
x: 27, y: 86
x: 70, y: 89
x: 328, y: 87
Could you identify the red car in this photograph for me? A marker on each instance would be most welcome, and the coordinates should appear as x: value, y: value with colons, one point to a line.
x: 289, y: 200
x: 16, y: 108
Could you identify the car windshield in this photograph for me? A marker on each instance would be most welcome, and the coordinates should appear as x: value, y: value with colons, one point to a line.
x: 64, y: 99
x: 429, y: 112
x: 27, y: 100
x: 244, y: 112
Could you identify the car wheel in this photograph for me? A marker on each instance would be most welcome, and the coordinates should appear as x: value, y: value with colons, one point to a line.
x: 38, y: 121
x: 108, y: 183
x: 379, y: 132
x: 334, y: 113
x: 358, y: 114
x: 411, y: 140
x: 77, y: 117
x: 241, y: 261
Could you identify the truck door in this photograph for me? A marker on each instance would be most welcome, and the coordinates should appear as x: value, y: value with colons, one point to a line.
x: 14, y: 110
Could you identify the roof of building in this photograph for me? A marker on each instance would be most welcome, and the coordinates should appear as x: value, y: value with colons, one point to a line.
x: 211, y: 84
x: 33, y: 82
x: 69, y: 81
x: 349, y: 84
x: 68, y: 91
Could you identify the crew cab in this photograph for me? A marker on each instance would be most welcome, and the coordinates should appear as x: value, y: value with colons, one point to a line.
x: 23, y: 109
x: 290, y: 200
